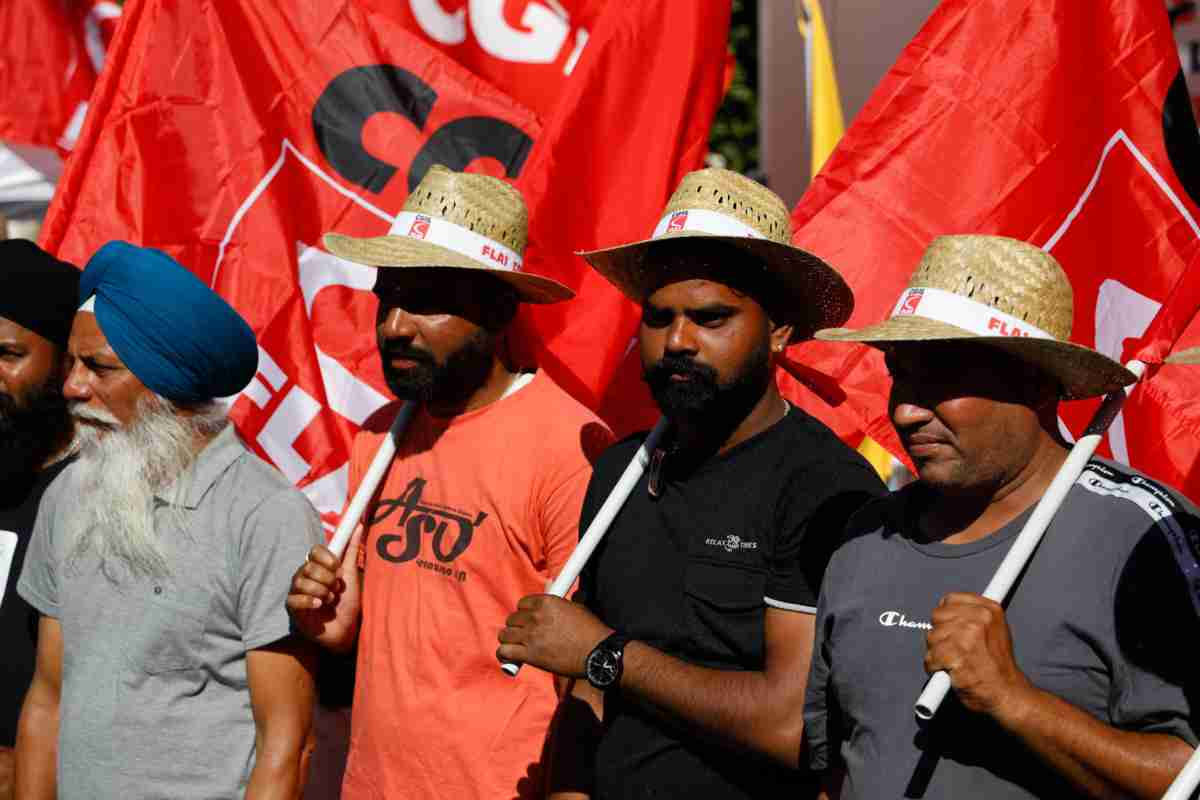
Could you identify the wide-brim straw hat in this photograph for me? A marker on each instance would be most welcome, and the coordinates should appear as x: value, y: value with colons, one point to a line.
x: 720, y: 205
x: 1000, y: 292
x: 457, y: 220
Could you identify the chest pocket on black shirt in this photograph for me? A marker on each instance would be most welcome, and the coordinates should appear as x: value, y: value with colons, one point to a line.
x: 725, y: 612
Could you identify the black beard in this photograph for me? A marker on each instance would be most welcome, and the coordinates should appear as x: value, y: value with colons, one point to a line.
x: 464, y: 371
x: 704, y: 396
x: 31, y: 430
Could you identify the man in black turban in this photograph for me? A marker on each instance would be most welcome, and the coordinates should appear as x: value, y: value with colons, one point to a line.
x: 37, y: 303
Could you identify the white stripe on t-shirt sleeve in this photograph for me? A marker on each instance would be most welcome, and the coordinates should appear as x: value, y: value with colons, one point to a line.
x: 790, y: 606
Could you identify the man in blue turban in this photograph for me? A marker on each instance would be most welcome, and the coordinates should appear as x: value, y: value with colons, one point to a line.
x: 160, y: 561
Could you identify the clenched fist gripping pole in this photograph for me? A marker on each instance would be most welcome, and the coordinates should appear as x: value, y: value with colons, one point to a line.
x: 1027, y: 541
x: 370, y: 482
x: 601, y: 522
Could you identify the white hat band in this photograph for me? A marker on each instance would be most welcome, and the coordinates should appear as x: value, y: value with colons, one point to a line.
x: 963, y: 312
x: 704, y: 221
x: 464, y: 241
x: 89, y: 305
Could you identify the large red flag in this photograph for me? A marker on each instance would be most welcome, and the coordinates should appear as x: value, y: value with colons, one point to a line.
x: 52, y: 53
x: 1061, y: 123
x: 234, y: 134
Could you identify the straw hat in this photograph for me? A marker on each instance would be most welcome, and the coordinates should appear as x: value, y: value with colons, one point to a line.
x: 717, y: 204
x: 1003, y: 293
x: 457, y: 220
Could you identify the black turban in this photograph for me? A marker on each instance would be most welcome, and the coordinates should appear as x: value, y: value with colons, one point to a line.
x: 37, y: 291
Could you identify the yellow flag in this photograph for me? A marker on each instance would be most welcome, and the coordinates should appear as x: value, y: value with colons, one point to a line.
x: 877, y: 457
x: 825, y: 122
x: 826, y: 126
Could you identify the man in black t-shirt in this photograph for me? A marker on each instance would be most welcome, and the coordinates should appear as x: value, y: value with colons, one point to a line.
x: 37, y: 303
x: 695, y: 627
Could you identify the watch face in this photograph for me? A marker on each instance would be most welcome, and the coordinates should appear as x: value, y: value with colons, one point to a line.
x: 603, y: 668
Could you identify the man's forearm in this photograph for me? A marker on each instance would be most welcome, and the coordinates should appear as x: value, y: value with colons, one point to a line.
x: 37, y: 752
x: 282, y: 696
x: 1103, y: 761
x: 745, y: 707
x: 278, y: 774
x: 8, y: 773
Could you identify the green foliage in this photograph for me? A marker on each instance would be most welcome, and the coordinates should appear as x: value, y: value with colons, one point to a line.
x: 734, y: 135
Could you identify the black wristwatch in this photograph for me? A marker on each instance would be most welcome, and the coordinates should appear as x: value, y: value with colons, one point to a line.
x: 606, y: 662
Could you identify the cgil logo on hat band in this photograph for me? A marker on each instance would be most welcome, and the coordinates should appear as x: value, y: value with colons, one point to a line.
x: 909, y: 302
x: 464, y: 241
x: 963, y: 312
x: 677, y: 222
x: 420, y: 227
x: 701, y: 220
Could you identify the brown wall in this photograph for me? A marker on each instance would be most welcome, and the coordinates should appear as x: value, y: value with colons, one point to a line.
x: 866, y: 37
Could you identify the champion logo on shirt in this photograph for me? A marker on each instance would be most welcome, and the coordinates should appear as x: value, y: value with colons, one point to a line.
x: 732, y: 543
x: 897, y: 619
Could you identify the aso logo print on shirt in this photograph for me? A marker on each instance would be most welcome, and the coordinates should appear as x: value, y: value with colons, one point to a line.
x: 449, y: 530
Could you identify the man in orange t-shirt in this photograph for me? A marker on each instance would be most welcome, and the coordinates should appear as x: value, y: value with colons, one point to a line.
x: 480, y: 507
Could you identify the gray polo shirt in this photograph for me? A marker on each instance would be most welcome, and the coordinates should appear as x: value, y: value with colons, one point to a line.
x: 155, y: 700
x: 1100, y: 618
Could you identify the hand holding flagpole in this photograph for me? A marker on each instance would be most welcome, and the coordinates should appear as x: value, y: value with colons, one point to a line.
x: 1018, y: 556
x: 371, y: 480
x: 601, y: 522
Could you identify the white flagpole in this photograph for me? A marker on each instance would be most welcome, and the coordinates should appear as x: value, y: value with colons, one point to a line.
x: 1186, y: 781
x: 370, y: 482
x: 601, y: 522
x: 1027, y: 541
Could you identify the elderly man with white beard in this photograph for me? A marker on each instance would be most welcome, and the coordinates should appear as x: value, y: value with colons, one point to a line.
x: 160, y: 562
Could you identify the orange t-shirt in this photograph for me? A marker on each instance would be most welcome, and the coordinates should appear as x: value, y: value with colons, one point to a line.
x: 475, y: 513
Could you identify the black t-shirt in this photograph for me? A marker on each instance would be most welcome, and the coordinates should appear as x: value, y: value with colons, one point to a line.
x: 18, y: 620
x: 692, y: 572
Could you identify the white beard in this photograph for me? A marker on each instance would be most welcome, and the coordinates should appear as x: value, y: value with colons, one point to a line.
x: 122, y: 470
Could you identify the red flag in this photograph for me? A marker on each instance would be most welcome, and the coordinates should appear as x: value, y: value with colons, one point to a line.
x: 51, y: 56
x: 1059, y: 123
x: 232, y: 135
x: 621, y: 139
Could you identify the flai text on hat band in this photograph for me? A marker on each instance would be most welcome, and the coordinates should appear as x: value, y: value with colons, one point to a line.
x: 702, y: 220
x: 963, y: 312
x: 464, y: 241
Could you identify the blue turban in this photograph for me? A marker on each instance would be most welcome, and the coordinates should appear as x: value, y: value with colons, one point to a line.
x: 170, y: 330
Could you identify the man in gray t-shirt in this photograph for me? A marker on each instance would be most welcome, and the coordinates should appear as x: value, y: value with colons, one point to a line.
x: 160, y: 561
x: 1076, y: 685
x: 1097, y: 620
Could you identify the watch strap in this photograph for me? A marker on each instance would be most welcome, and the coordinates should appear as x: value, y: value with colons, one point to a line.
x: 614, y: 641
